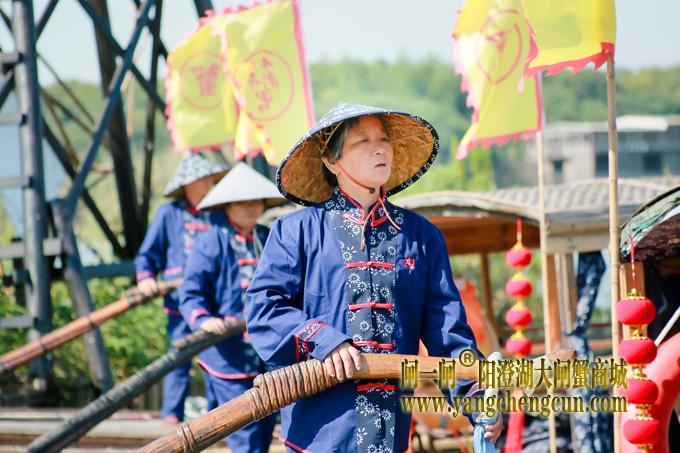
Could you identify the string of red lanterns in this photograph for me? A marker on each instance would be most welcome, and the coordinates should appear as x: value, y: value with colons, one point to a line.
x: 519, y: 288
x: 518, y: 317
x: 637, y: 311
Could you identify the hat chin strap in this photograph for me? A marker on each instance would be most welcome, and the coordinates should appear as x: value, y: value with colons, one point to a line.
x: 382, y: 195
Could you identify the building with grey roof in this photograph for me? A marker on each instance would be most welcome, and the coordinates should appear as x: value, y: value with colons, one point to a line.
x: 647, y: 146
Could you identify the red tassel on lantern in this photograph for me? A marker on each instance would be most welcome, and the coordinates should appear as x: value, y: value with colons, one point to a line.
x: 641, y: 391
x: 641, y: 431
x: 637, y: 350
x: 513, y: 442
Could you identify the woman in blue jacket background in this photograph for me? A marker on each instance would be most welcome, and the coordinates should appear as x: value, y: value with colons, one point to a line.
x: 354, y: 273
x: 164, y: 251
x: 218, y: 272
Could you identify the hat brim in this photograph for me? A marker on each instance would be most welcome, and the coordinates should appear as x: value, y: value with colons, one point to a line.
x: 268, y: 203
x: 179, y: 192
x: 414, y: 141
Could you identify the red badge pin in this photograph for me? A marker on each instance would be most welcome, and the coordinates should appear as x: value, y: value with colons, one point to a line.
x: 410, y: 263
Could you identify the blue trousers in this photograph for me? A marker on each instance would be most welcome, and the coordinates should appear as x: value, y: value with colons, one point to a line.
x: 255, y: 437
x: 176, y: 383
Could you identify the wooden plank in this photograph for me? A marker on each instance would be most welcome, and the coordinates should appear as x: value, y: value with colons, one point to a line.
x: 490, y: 237
x: 597, y: 344
x: 567, y: 292
x: 487, y: 293
x: 553, y: 307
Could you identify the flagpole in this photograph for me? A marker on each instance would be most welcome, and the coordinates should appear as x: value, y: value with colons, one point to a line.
x: 613, y: 226
x: 547, y: 321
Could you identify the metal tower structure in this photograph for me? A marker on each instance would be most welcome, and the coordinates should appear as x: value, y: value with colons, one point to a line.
x: 48, y: 224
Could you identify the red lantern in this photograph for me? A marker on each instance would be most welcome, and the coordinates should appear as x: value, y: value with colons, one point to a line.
x: 637, y: 350
x: 518, y: 346
x: 641, y: 391
x: 518, y: 317
x: 518, y: 287
x: 518, y: 256
x: 635, y: 311
x: 641, y: 431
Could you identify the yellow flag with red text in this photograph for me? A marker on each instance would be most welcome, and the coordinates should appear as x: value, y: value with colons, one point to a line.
x: 569, y: 34
x: 491, y: 47
x: 200, y: 106
x: 266, y: 69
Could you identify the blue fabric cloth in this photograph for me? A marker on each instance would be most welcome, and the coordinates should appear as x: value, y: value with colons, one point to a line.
x: 214, y: 284
x: 254, y: 438
x: 168, y: 241
x: 593, y: 431
x: 369, y: 275
x: 296, y: 308
x: 479, y: 443
x: 176, y: 383
x: 163, y: 251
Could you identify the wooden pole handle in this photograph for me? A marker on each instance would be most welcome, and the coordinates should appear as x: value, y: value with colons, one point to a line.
x: 276, y: 389
x: 80, y: 326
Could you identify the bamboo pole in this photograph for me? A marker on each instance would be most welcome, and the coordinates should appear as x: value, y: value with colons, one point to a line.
x: 74, y: 329
x: 88, y: 417
x: 276, y: 389
x: 547, y: 314
x: 613, y: 226
x: 488, y: 295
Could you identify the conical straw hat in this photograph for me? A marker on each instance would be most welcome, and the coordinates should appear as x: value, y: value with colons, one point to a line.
x: 242, y: 183
x: 193, y: 167
x: 414, y: 141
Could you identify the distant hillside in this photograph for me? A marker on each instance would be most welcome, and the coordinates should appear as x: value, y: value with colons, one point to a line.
x: 428, y: 88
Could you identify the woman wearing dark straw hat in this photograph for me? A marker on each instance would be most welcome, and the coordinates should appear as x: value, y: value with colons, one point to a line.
x: 163, y: 251
x: 354, y: 273
x: 217, y: 274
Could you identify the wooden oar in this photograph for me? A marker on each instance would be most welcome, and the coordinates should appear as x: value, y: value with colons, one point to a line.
x: 80, y: 326
x: 273, y: 390
x: 88, y: 417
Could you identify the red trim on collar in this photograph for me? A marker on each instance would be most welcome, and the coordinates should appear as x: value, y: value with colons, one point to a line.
x: 355, y: 203
x: 375, y: 223
x: 238, y: 236
x: 247, y: 261
x: 192, y: 209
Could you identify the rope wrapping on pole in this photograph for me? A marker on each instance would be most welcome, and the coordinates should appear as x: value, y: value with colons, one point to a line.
x: 80, y: 326
x: 276, y: 389
x: 108, y: 403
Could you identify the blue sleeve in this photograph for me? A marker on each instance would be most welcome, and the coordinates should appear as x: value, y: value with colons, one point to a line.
x: 150, y: 258
x: 279, y: 329
x: 197, y: 293
x: 445, y: 330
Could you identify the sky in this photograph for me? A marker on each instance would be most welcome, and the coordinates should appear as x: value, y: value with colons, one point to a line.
x: 647, y: 32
